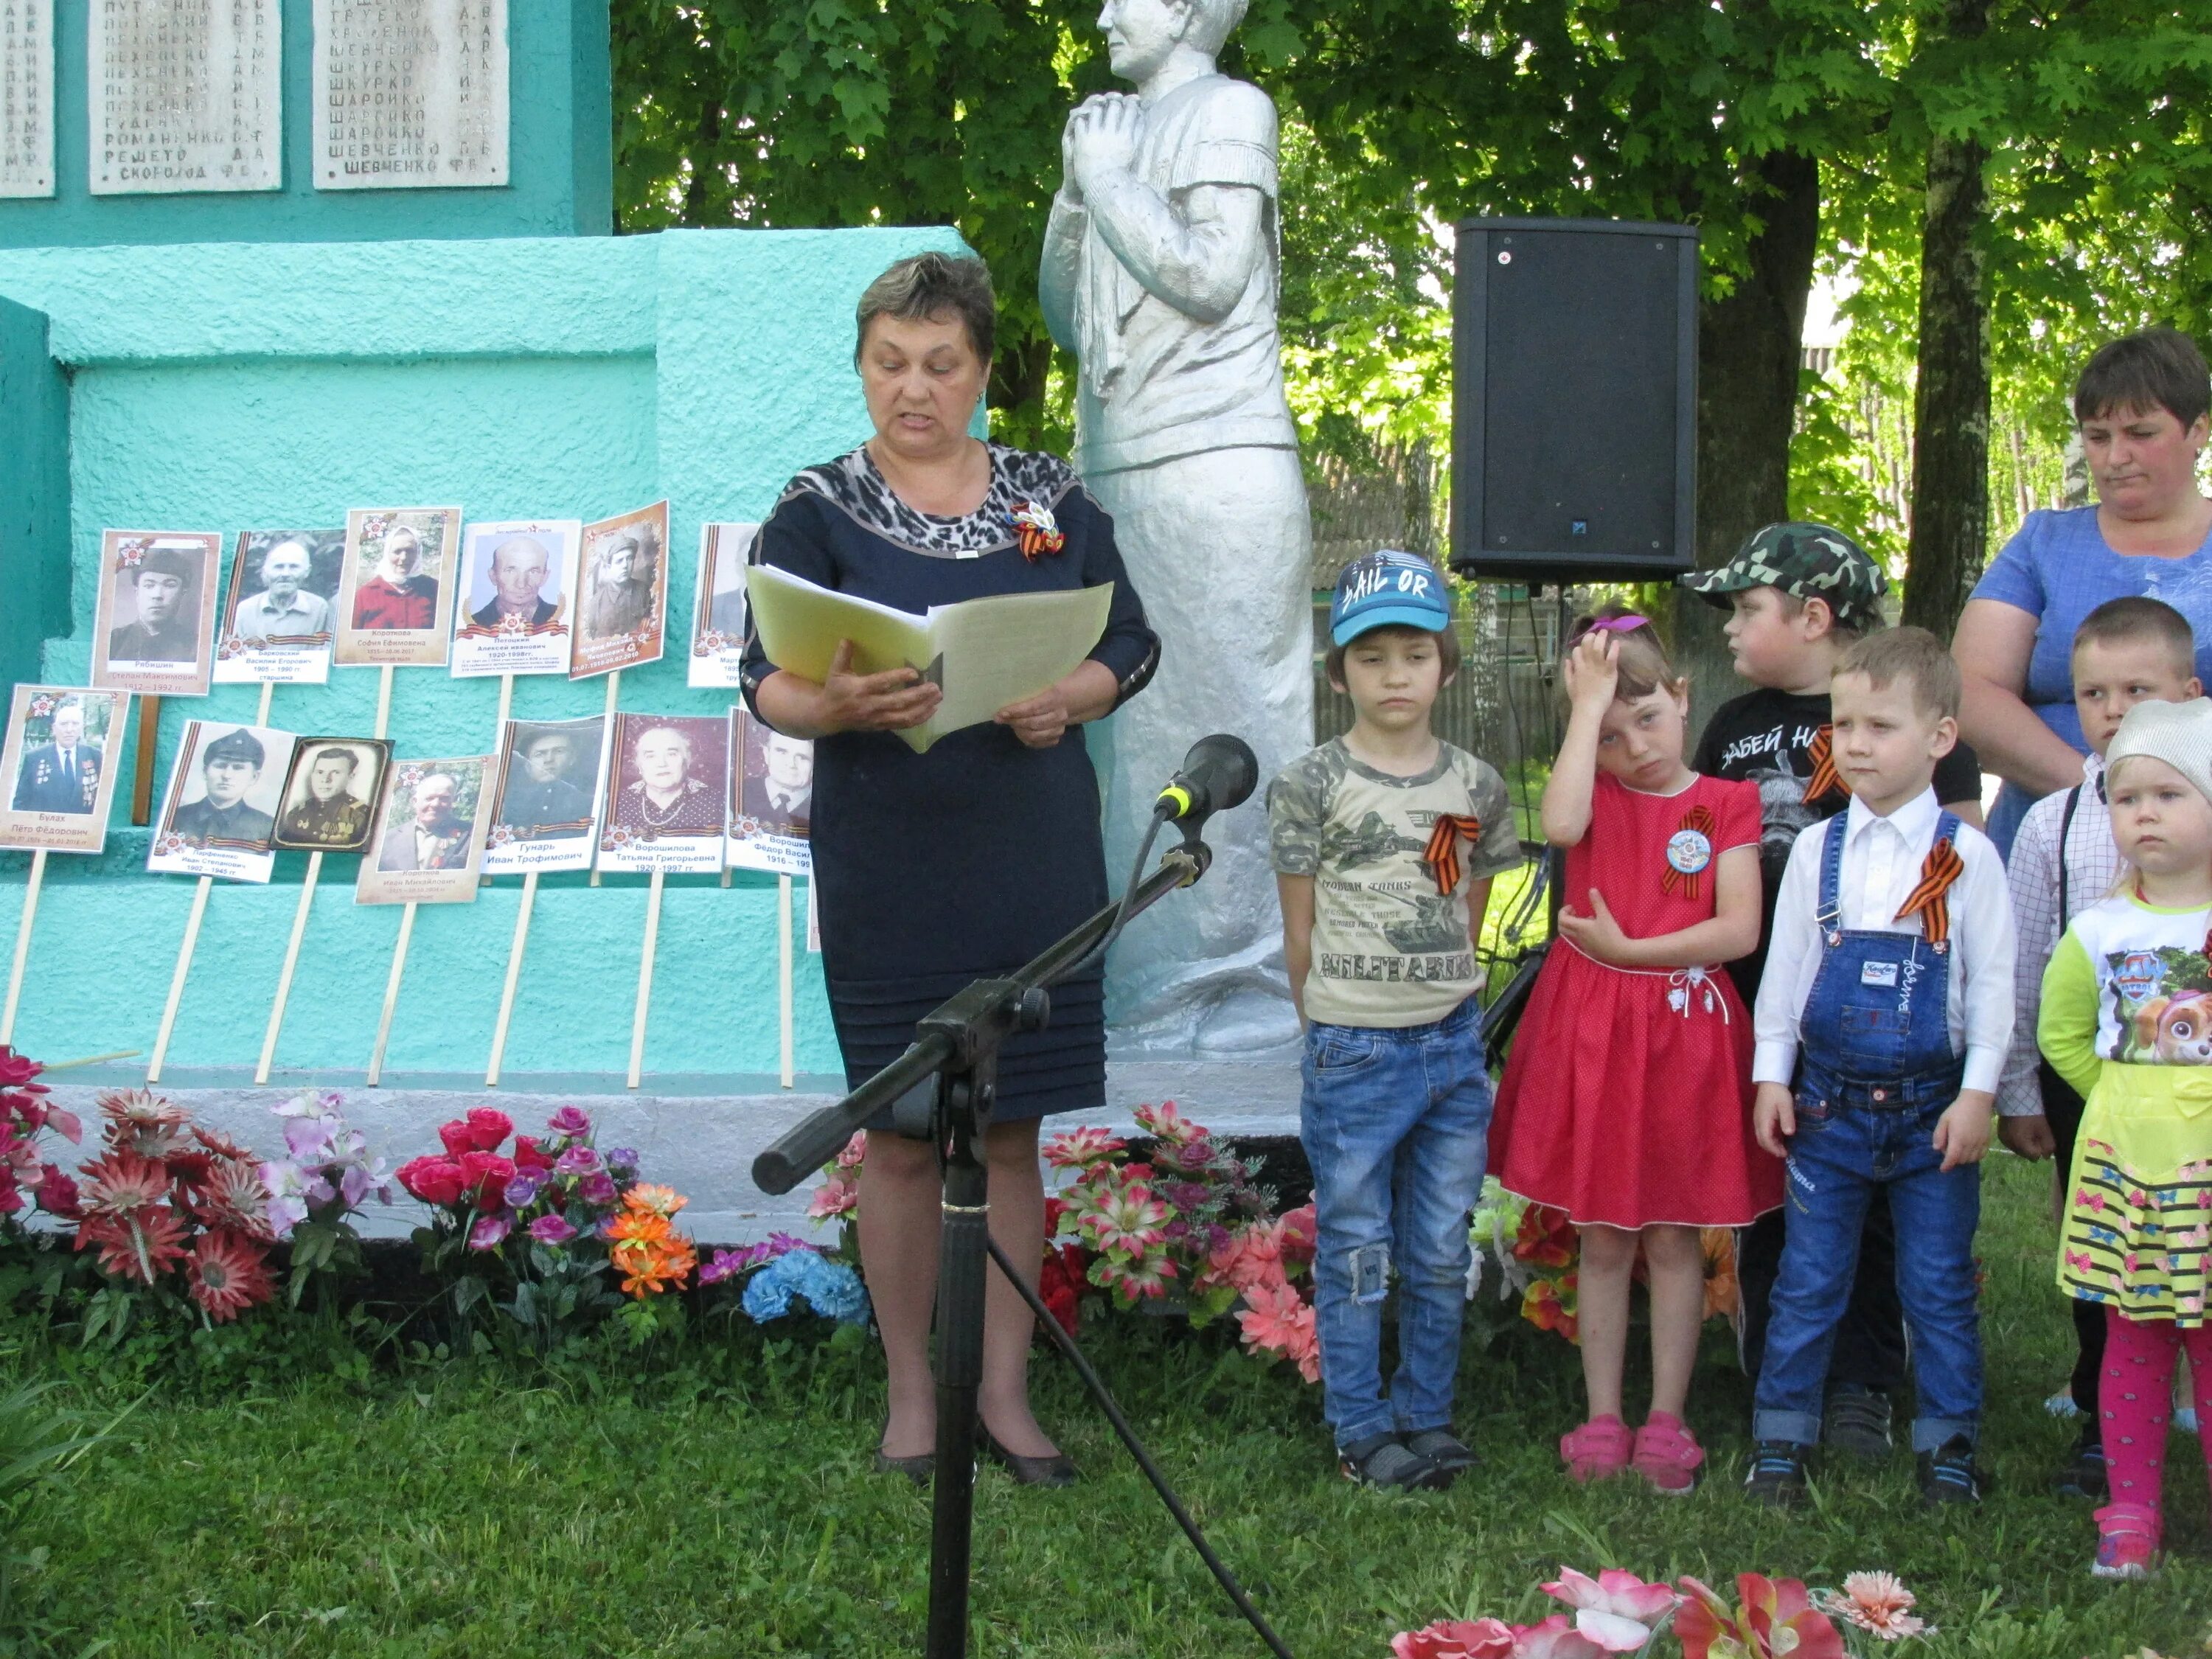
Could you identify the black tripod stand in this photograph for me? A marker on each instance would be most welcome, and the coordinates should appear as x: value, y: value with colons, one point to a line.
x: 959, y: 1044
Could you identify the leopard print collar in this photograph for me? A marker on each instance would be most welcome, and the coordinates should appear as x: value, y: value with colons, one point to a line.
x: 1019, y: 478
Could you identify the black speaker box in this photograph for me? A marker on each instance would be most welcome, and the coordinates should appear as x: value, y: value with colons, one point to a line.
x: 1574, y: 400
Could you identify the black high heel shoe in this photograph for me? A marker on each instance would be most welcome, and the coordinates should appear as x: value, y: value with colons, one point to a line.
x: 922, y: 1468
x: 1053, y: 1471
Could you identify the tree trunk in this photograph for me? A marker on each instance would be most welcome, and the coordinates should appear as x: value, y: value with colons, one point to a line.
x: 1749, y: 345
x: 1951, y: 402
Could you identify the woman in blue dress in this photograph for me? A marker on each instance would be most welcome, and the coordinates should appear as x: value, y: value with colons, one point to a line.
x: 2141, y: 405
x: 933, y: 870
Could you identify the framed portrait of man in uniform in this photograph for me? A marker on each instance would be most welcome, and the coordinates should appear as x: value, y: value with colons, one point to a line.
x: 277, y: 625
x: 57, y: 769
x: 329, y: 799
x: 621, y: 605
x: 772, y: 798
x: 428, y: 845
x: 718, y: 618
x: 150, y: 621
x: 548, y: 801
x: 219, y: 816
x: 396, y: 586
x: 521, y: 580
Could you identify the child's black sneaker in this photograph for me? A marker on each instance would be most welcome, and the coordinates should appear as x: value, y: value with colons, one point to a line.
x: 1778, y: 1474
x: 1442, y: 1448
x: 1384, y: 1460
x: 1947, y: 1474
x: 1858, y: 1422
x: 2082, y: 1475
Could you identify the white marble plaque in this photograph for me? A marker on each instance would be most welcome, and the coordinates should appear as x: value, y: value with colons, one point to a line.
x: 27, y: 98
x: 409, y: 95
x: 185, y: 95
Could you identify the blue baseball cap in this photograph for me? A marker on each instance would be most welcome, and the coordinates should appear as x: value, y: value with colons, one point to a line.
x: 1388, y: 589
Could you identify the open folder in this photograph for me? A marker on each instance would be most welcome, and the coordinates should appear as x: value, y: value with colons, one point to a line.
x: 982, y: 654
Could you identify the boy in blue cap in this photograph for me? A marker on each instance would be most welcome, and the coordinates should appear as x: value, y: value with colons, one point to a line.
x: 1385, y: 841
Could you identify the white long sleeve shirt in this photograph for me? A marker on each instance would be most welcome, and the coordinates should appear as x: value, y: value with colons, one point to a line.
x: 1881, y: 864
x: 2092, y: 862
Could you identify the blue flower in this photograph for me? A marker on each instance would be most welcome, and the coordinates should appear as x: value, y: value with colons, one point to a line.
x: 831, y: 1288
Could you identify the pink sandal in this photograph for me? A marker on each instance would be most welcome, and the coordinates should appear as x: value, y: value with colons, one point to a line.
x: 1597, y: 1450
x: 1667, y: 1455
x: 2127, y: 1542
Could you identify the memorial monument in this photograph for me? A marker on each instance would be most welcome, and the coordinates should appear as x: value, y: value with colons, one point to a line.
x: 1160, y: 273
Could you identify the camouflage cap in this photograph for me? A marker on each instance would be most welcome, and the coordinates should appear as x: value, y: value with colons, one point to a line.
x: 1811, y: 561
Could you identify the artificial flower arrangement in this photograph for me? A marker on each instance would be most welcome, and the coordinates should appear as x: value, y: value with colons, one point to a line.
x: 781, y: 1273
x: 1619, y: 1612
x: 27, y: 1175
x: 548, y: 1220
x: 325, y: 1176
x: 1538, y: 1253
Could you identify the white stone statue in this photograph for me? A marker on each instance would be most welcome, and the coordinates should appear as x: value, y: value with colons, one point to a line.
x: 1160, y: 274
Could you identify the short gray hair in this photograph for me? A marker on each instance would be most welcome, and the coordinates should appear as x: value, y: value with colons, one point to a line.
x: 929, y: 286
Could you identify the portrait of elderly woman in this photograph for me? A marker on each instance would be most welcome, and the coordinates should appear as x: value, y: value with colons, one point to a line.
x: 399, y: 594
x: 932, y: 869
x: 670, y: 781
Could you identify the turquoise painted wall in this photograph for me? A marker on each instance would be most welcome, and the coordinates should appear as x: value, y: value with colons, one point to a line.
x: 281, y: 384
x: 560, y: 157
x: 33, y: 493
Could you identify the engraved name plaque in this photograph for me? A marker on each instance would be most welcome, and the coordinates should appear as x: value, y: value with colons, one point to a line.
x: 409, y: 95
x: 185, y: 95
x: 27, y: 98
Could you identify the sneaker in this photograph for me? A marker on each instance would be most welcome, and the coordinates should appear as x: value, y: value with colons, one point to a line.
x: 1858, y: 1422
x: 1598, y: 1450
x: 2082, y: 1475
x: 1385, y: 1461
x: 1667, y: 1455
x: 1442, y: 1448
x: 1947, y: 1474
x: 1776, y: 1478
x: 2127, y: 1542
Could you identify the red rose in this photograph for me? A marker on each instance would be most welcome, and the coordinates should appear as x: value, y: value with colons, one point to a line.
x: 486, y: 1174
x: 434, y: 1180
x: 529, y: 1155
x: 457, y: 1137
x: 11, y: 1198
x: 487, y: 1129
x: 57, y: 1194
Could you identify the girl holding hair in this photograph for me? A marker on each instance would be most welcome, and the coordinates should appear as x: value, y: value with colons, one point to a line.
x: 2124, y: 1021
x: 1626, y: 1102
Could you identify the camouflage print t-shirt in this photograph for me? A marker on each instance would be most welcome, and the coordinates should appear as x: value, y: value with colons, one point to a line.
x: 1389, y: 948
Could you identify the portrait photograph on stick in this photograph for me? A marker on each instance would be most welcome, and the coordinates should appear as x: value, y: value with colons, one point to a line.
x: 519, y: 585
x: 219, y: 815
x: 718, y: 620
x: 428, y: 845
x: 547, y: 804
x: 772, y: 797
x: 150, y: 630
x: 622, y: 612
x: 329, y: 799
x: 667, y: 784
x: 396, y: 596
x: 58, y: 766
x: 279, y: 621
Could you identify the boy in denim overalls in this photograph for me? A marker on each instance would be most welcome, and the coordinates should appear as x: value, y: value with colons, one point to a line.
x: 1883, y: 1020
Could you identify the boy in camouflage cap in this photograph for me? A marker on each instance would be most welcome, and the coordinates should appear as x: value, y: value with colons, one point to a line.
x: 1799, y: 595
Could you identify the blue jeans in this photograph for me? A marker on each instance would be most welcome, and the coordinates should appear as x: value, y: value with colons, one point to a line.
x: 1839, y: 1155
x: 1396, y: 1124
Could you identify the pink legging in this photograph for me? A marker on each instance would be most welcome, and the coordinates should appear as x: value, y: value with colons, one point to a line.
x: 2135, y: 1398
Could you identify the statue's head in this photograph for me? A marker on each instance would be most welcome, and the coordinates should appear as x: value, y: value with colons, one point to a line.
x: 1141, y: 35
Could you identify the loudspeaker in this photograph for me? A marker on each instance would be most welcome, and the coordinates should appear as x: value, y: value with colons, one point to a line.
x: 1574, y: 400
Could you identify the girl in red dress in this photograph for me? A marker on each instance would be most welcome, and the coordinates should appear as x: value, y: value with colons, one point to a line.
x: 1626, y: 1102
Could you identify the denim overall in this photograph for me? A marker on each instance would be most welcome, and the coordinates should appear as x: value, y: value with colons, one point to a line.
x: 1875, y: 1073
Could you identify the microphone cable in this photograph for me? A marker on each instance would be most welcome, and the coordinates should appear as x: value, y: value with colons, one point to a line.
x: 1097, y: 1384
x: 1096, y: 953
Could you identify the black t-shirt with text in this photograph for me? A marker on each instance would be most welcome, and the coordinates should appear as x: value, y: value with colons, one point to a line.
x: 1766, y: 737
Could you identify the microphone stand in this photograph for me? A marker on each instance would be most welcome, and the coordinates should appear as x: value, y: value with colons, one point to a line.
x: 959, y: 1045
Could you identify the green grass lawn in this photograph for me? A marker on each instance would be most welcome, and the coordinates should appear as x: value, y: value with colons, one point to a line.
x: 722, y: 1504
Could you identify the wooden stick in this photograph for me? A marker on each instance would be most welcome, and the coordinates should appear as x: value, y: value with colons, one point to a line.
x: 514, y: 975
x: 392, y: 992
x: 291, y: 962
x: 506, y: 702
x: 784, y: 1033
x: 644, y: 981
x: 23, y: 944
x: 268, y: 690
x: 177, y: 979
x: 614, y: 690
x: 149, y: 740
x: 89, y: 1059
x: 383, y: 702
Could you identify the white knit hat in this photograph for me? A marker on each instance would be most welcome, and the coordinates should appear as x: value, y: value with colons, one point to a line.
x: 2179, y: 733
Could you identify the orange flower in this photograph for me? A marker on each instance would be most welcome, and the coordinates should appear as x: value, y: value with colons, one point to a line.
x: 659, y: 1200
x: 1720, y: 1272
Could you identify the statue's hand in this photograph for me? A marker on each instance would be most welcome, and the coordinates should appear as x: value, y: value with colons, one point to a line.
x: 1102, y: 137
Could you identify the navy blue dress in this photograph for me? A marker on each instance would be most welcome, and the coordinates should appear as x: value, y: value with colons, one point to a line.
x: 934, y: 869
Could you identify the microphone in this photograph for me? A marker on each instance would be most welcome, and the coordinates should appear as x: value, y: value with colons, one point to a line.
x: 1219, y: 773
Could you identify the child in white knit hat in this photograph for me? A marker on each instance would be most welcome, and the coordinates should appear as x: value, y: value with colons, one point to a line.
x: 2127, y: 1021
